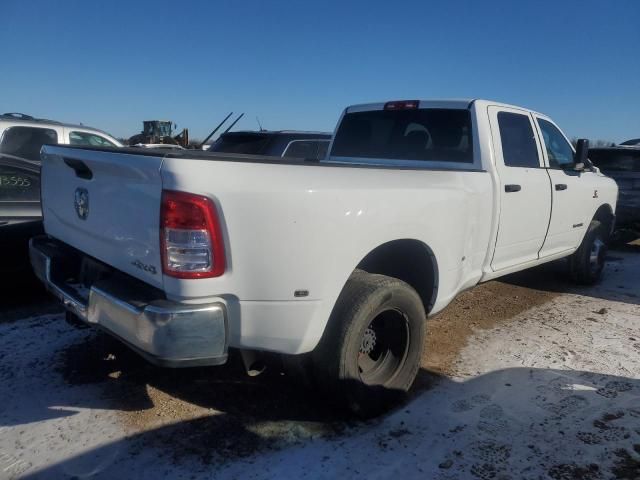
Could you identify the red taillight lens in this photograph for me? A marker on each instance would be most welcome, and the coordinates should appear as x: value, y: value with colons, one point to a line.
x: 402, y: 105
x: 190, y: 236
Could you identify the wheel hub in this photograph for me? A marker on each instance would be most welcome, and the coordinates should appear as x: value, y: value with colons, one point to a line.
x: 368, y: 341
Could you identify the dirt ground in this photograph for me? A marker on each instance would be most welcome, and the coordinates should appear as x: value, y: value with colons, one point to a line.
x: 77, y: 404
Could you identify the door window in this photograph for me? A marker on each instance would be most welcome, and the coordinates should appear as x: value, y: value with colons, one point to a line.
x: 89, y: 139
x: 518, y: 142
x: 559, y: 151
x: 26, y: 142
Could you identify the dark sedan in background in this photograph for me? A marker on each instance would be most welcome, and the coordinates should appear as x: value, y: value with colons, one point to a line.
x: 623, y: 165
x: 20, y: 213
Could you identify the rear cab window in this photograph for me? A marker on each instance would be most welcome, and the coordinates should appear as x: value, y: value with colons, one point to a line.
x: 421, y: 137
x: 26, y: 142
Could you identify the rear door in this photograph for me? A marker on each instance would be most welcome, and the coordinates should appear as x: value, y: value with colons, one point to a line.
x: 107, y: 205
x: 575, y: 194
x: 525, y: 191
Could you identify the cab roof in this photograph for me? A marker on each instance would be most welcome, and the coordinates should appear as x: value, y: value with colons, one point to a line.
x: 457, y: 103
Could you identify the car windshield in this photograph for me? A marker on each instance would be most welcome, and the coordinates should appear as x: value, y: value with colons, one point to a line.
x: 425, y: 134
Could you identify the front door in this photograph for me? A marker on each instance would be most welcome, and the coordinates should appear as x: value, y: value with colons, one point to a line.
x: 573, y: 192
x: 525, y: 190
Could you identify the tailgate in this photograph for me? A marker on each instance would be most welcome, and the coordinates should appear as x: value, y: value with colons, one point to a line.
x: 106, y: 204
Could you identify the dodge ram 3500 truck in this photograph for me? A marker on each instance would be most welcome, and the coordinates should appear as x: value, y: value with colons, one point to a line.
x: 335, y: 264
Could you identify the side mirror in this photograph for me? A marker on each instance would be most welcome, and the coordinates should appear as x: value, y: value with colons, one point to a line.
x: 582, y: 151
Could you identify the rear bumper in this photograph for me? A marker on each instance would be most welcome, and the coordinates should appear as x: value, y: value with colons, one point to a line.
x: 166, y: 333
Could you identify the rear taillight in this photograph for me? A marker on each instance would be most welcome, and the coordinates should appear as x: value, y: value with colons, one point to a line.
x: 190, y: 236
x: 402, y: 105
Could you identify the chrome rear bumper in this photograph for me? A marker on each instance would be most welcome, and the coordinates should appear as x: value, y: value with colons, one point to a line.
x: 165, y: 333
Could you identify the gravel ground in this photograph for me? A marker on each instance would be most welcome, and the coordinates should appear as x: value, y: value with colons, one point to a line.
x: 528, y: 377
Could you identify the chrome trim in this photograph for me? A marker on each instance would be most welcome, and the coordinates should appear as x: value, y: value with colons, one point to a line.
x: 165, y: 333
x: 42, y: 268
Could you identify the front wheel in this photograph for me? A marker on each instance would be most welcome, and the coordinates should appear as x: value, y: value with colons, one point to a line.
x: 587, y: 263
x: 370, y: 352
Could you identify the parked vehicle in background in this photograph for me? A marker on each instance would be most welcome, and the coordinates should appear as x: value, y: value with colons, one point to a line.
x: 332, y: 263
x: 631, y: 143
x: 161, y: 146
x: 20, y: 214
x: 23, y: 136
x: 280, y: 143
x: 623, y: 165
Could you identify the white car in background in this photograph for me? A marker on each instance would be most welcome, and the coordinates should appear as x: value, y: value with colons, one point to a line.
x: 23, y: 135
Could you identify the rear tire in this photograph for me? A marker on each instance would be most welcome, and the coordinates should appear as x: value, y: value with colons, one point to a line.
x: 370, y: 352
x: 587, y: 263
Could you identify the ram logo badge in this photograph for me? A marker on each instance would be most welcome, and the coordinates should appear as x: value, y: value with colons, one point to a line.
x: 81, y: 203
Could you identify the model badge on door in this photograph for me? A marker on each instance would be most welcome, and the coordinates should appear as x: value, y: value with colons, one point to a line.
x: 81, y: 203
x: 595, y: 194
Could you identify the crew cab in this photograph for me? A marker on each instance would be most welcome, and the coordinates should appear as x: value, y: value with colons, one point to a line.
x: 334, y: 264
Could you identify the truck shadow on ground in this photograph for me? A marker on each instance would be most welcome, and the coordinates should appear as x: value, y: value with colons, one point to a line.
x: 23, y: 297
x: 560, y: 422
x: 623, y: 264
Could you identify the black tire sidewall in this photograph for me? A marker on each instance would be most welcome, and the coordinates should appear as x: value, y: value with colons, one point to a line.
x: 581, y: 260
x: 366, y: 296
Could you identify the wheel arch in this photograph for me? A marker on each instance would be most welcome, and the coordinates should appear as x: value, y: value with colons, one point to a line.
x: 409, y: 260
x: 605, y: 215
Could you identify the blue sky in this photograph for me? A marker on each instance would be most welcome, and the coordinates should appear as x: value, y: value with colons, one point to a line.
x: 297, y: 64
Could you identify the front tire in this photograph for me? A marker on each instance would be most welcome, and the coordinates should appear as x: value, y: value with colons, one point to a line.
x: 370, y: 352
x: 587, y: 263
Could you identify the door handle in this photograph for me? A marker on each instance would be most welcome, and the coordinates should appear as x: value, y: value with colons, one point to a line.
x: 561, y: 186
x: 512, y: 188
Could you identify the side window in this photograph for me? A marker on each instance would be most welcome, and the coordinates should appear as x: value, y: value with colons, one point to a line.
x: 323, y: 147
x: 89, y: 139
x: 518, y: 141
x: 26, y: 142
x: 559, y: 151
x: 302, y: 149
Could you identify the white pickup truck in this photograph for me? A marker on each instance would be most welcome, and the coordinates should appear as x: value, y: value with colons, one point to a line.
x: 334, y: 263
